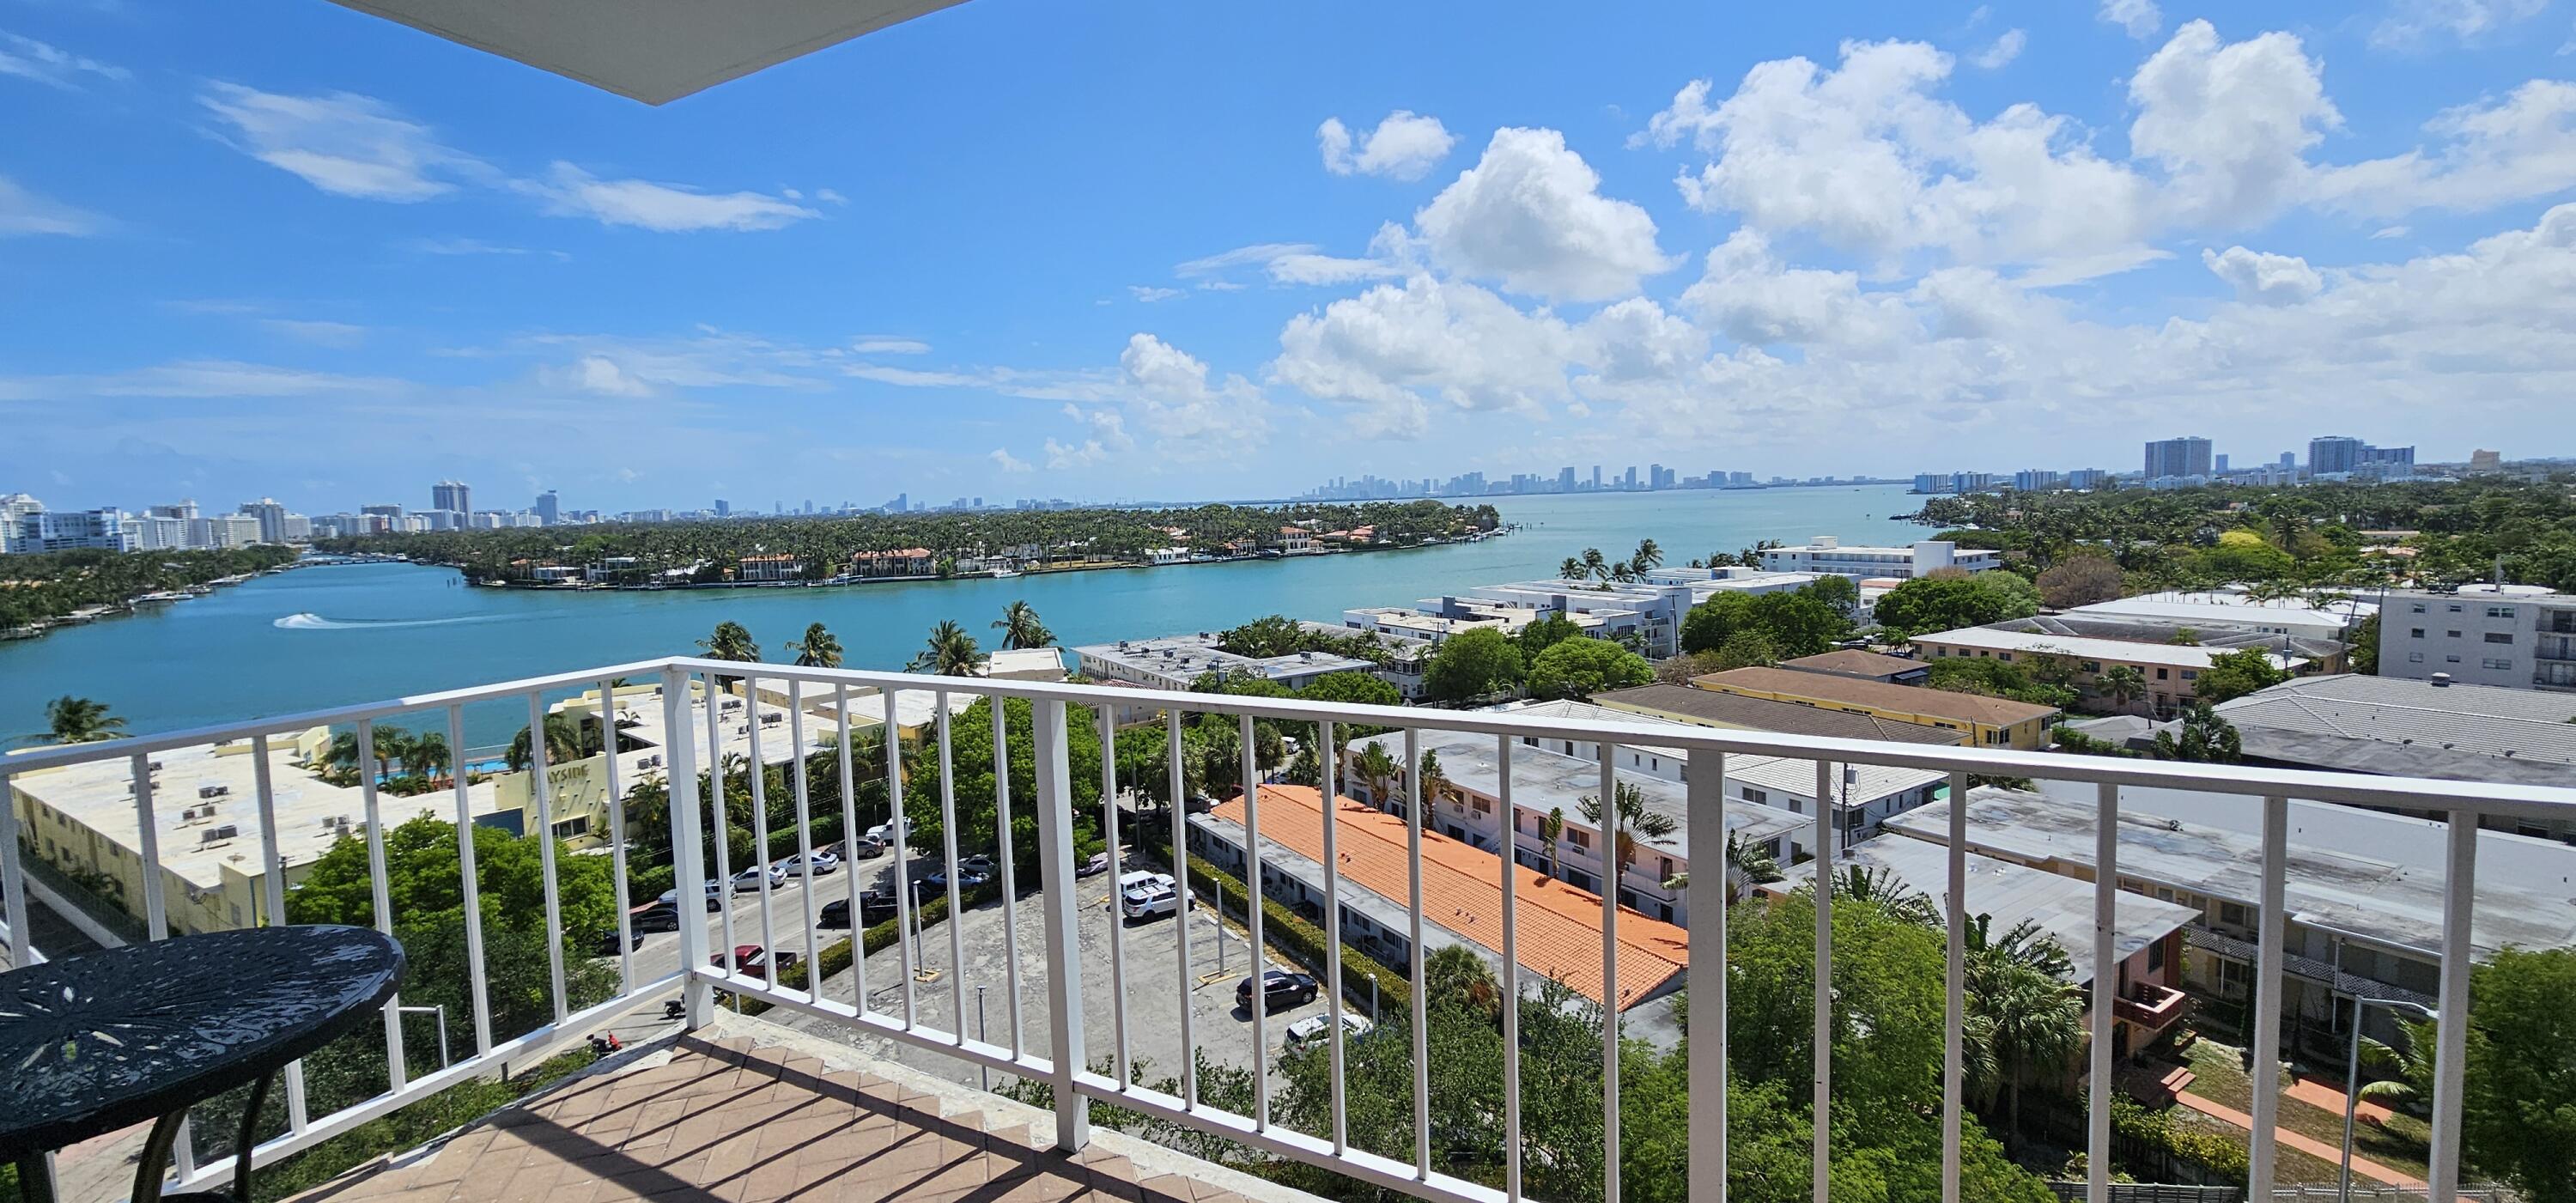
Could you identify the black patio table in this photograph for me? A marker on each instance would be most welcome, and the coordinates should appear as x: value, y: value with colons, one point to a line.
x: 104, y: 1040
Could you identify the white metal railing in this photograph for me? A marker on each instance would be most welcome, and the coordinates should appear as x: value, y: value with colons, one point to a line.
x: 699, y: 976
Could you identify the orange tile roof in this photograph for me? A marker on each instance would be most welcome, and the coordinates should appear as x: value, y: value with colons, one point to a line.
x: 1559, y: 925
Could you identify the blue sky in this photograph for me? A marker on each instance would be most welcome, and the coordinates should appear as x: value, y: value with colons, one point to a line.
x: 1167, y: 250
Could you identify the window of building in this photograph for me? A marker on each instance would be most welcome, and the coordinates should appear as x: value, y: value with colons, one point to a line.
x: 2418, y: 607
x: 2499, y: 611
x: 2414, y: 657
x: 2500, y: 665
x: 2160, y: 674
x: 2499, y: 636
x: 2190, y: 674
x: 2005, y: 656
x: 2417, y: 633
x: 2451, y: 634
x: 2156, y: 956
x: 2231, y: 914
x: 2455, y: 607
x: 1756, y: 796
x: 2092, y: 666
x: 2451, y: 659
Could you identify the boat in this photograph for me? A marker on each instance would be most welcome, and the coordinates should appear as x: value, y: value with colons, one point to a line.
x: 1005, y: 573
x: 166, y: 595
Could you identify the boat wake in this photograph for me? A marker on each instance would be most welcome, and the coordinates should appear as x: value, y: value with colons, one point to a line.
x: 315, y: 622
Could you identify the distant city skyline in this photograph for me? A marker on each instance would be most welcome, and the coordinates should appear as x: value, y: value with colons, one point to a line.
x: 1800, y: 241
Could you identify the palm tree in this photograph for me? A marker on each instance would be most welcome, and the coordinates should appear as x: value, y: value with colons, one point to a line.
x: 71, y: 720
x: 392, y: 745
x: 1020, y: 627
x: 342, y: 754
x: 2124, y: 683
x: 2031, y: 1023
x: 1747, y: 865
x: 1435, y: 784
x: 1627, y: 818
x: 566, y: 740
x: 1551, y: 831
x: 425, y: 755
x: 1595, y: 565
x: 818, y: 649
x: 1571, y: 569
x: 950, y: 652
x: 730, y: 642
x: 2027, y: 945
x: 1378, y: 768
x: 1649, y: 557
x: 1861, y: 883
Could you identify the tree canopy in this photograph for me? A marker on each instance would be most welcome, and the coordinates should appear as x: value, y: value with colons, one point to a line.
x: 1579, y: 668
x: 1472, y: 664
x: 1942, y: 602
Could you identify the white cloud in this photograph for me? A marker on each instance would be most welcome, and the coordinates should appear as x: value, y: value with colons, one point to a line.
x: 1151, y: 293
x: 1257, y: 254
x: 207, y: 379
x: 1530, y: 214
x: 2412, y: 22
x: 1063, y: 456
x: 28, y: 58
x: 2230, y: 122
x: 469, y: 246
x: 1867, y: 159
x: 319, y: 333
x: 2517, y: 148
x: 1749, y: 296
x: 1181, y: 402
x: 1299, y: 263
x: 23, y: 212
x: 341, y: 143
x: 572, y: 192
x: 889, y: 344
x: 2392, y: 232
x: 2005, y: 49
x: 2262, y: 278
x: 597, y: 374
x: 1007, y: 462
x: 2139, y: 18
x: 1405, y: 146
x: 1389, y: 349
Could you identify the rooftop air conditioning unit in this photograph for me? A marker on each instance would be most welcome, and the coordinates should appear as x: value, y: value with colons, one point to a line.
x: 213, y: 791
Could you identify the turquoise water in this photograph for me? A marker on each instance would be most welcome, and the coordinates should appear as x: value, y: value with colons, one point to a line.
x: 320, y: 637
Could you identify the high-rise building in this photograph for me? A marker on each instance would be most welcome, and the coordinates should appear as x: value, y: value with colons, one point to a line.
x: 1565, y: 479
x: 2290, y: 460
x: 2037, y: 480
x: 2333, y: 453
x: 271, y: 517
x: 1596, y: 476
x: 2088, y: 478
x: 78, y: 530
x: 549, y: 511
x: 724, y: 508
x: 2184, y: 456
x: 2480, y: 460
x: 2221, y: 465
x: 454, y: 496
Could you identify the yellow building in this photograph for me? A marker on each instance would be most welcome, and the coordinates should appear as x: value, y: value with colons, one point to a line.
x: 1987, y: 722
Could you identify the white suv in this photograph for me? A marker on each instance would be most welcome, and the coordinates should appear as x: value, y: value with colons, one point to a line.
x: 1142, y: 895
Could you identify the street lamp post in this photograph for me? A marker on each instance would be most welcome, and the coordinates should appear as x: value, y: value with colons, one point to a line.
x: 2352, y: 1078
x: 979, y: 1034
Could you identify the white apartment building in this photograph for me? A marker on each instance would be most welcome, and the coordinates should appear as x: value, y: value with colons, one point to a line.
x: 1176, y: 661
x: 1825, y: 553
x: 74, y: 530
x: 2300, y: 617
x: 2509, y: 636
x: 223, y: 532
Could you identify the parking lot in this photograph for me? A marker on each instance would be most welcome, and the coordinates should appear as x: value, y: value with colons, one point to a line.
x: 1153, y: 994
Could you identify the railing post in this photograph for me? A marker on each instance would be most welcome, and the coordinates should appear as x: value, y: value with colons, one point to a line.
x: 2451, y: 1031
x: 1061, y: 919
x: 680, y: 765
x: 1704, y: 792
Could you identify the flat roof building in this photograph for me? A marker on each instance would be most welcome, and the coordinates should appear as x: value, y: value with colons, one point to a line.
x: 2227, y: 610
x: 1176, y: 661
x: 2396, y: 727
x: 1852, y: 662
x: 1735, y: 711
x: 1827, y: 554
x: 2171, y: 671
x: 2508, y: 636
x: 1987, y: 722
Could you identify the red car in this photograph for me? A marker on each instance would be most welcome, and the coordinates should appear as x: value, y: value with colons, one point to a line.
x: 752, y: 960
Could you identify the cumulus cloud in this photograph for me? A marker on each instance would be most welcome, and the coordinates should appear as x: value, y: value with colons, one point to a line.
x: 1530, y: 214
x: 2139, y: 18
x: 1007, y: 462
x: 598, y: 375
x: 2263, y: 278
x: 1747, y: 294
x: 1392, y: 347
x: 2516, y: 148
x: 2005, y: 49
x: 2230, y: 122
x: 1405, y: 146
x: 2411, y: 22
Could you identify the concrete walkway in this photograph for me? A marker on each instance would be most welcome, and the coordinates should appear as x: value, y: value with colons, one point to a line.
x: 2361, y: 1166
x: 2317, y: 1094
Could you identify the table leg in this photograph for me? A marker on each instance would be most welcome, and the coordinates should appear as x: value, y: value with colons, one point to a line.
x: 35, y: 1179
x: 165, y: 1132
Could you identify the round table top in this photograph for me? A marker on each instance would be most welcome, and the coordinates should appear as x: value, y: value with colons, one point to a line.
x: 95, y: 1042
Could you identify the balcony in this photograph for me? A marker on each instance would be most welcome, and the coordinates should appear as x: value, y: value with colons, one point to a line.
x: 2150, y: 1006
x: 1060, y: 1002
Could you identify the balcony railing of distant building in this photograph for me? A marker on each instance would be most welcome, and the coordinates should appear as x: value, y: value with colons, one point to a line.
x: 1053, y: 707
x: 2151, y: 1005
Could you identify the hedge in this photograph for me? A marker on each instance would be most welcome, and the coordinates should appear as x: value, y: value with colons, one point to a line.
x: 2218, y: 1157
x: 836, y: 957
x: 1292, y: 934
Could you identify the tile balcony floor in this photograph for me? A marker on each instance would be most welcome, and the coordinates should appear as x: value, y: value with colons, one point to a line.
x: 747, y: 1112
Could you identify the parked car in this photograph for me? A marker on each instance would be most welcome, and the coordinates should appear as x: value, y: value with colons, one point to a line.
x: 655, y: 916
x: 977, y: 863
x: 748, y: 881
x: 1094, y: 867
x: 868, y: 847
x: 715, y: 897
x: 1143, y: 895
x: 755, y: 961
x: 1309, y: 1032
x: 1280, y: 989
x: 936, y: 884
x: 607, y: 943
x: 823, y: 863
x: 875, y: 907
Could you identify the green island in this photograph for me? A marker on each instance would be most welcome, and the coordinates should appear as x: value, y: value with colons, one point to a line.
x: 861, y: 547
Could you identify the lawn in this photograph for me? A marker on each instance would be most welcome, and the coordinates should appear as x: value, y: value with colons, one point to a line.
x: 2401, y: 1145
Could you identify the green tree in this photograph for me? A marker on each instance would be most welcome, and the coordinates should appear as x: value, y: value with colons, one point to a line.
x: 1624, y: 821
x: 949, y: 652
x: 1376, y: 768
x: 1835, y: 590
x: 1802, y: 623
x: 1020, y: 627
x: 1746, y: 649
x: 2201, y: 736
x: 979, y: 821
x: 1706, y: 627
x: 73, y: 720
x: 1943, y: 602
x: 2237, y: 673
x: 2518, y: 1111
x: 1544, y: 633
x: 1579, y: 668
x: 1471, y: 665
x: 1353, y: 688
x: 2081, y: 580
x: 2364, y: 647
x: 730, y: 642
x: 818, y: 649
x: 567, y: 739
x: 2122, y: 683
